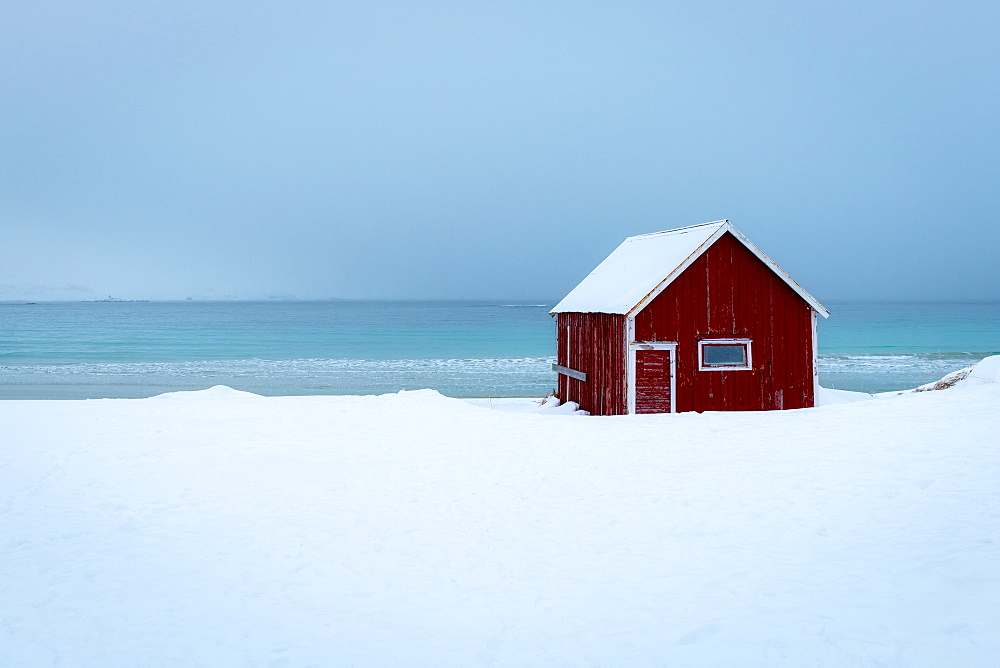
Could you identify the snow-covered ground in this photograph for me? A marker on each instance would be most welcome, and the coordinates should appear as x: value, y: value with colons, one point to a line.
x: 223, y: 528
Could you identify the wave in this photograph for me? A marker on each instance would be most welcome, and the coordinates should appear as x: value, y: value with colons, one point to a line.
x: 296, y: 367
x: 889, y: 363
x: 495, y: 365
x: 470, y: 377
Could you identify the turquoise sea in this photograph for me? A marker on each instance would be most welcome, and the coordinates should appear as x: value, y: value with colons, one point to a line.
x: 137, y: 349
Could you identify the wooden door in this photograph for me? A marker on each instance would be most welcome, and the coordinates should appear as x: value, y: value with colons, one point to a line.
x: 652, y: 381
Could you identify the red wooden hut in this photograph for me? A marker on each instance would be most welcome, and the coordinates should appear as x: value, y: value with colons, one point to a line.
x: 693, y: 319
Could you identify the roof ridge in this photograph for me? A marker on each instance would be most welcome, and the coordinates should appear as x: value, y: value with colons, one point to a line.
x: 681, y: 229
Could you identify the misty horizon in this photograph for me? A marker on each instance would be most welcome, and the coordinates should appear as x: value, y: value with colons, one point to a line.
x: 463, y: 151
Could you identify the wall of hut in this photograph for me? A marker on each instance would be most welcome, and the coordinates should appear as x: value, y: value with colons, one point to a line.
x: 593, y: 343
x: 728, y: 292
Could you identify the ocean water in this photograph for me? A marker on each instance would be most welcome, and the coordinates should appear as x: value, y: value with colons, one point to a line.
x: 879, y: 347
x: 138, y: 349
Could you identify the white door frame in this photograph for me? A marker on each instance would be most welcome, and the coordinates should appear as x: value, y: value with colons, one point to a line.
x: 632, y: 348
x: 815, y: 347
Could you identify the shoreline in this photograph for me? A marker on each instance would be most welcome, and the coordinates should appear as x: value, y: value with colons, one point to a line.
x: 521, y: 377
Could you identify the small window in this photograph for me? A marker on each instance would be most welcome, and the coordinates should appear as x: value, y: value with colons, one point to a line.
x: 728, y: 354
x: 724, y: 354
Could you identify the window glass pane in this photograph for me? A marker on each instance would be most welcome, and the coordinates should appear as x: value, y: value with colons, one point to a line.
x: 725, y: 355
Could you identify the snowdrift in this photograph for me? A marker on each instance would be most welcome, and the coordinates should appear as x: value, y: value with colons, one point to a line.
x: 225, y: 528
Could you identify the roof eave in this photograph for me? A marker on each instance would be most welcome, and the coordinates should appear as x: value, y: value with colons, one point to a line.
x: 630, y: 310
x: 679, y: 269
x: 781, y: 273
x: 752, y: 247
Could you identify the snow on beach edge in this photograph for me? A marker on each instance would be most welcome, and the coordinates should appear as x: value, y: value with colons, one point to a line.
x: 221, y: 527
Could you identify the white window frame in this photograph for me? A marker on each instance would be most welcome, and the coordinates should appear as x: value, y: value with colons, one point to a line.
x: 747, y: 343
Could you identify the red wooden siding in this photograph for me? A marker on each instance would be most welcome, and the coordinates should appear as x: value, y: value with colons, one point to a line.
x: 729, y: 293
x: 652, y: 384
x: 593, y: 343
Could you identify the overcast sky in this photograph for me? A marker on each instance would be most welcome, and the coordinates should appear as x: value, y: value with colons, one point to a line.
x: 467, y: 149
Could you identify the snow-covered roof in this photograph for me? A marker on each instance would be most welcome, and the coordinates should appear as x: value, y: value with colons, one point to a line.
x: 644, y: 265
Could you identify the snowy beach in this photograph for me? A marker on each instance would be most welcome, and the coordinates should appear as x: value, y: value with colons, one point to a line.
x: 224, y: 528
